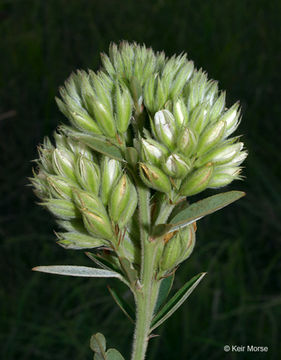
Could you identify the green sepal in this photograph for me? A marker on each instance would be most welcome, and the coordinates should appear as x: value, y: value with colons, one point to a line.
x: 176, y: 301
x: 124, y: 306
x: 164, y: 290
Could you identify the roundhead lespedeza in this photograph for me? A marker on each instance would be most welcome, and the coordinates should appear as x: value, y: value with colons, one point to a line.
x: 145, y: 134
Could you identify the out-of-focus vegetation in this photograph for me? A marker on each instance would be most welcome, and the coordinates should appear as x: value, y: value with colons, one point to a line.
x: 52, y: 317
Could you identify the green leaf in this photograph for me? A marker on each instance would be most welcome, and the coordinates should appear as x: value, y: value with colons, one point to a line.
x: 200, y: 209
x: 113, y: 354
x: 176, y: 301
x: 165, y: 288
x: 99, y: 357
x: 99, y: 144
x: 101, y: 262
x: 124, y: 306
x: 73, y: 270
x: 98, y: 345
x: 159, y: 230
x: 129, y: 270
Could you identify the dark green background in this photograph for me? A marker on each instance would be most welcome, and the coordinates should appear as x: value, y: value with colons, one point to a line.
x: 49, y: 317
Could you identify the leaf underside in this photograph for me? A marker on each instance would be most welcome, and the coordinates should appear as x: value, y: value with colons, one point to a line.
x: 73, y: 270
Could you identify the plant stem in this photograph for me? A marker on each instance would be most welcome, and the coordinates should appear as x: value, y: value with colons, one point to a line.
x: 145, y: 299
x: 147, y: 292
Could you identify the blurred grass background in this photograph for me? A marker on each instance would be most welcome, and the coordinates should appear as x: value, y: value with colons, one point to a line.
x: 238, y: 42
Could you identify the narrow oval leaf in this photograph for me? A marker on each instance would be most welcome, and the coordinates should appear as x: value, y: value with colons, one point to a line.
x: 98, y: 343
x: 124, y: 306
x: 198, y: 210
x: 113, y: 354
x: 73, y: 270
x: 99, y: 144
x: 176, y: 301
x: 165, y: 288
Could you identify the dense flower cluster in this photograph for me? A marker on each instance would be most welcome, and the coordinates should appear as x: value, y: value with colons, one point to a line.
x: 172, y: 119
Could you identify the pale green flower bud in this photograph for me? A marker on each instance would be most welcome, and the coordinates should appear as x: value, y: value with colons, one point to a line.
x: 188, y: 239
x: 178, y: 248
x: 153, y: 177
x: 171, y: 253
x: 110, y: 170
x: 80, y: 149
x: 217, y: 108
x: 212, y: 92
x: 88, y: 174
x: 156, y: 92
x: 61, y: 141
x: 223, y: 176
x: 40, y: 184
x: 87, y: 93
x: 104, y: 118
x: 152, y: 151
x: 180, y: 113
x: 181, y: 78
x: 196, y: 89
x: 119, y: 198
x: 63, y: 209
x: 238, y: 159
x: 94, y: 215
x: 165, y: 127
x: 60, y: 188
x: 107, y: 64
x: 148, y: 93
x: 197, y: 181
x: 74, y: 225
x: 220, y: 155
x: 187, y: 142
x: 175, y: 166
x: 231, y: 118
x: 63, y: 163
x: 46, y: 155
x: 129, y: 210
x: 210, y: 137
x: 84, y: 122
x: 77, y: 241
x: 199, y: 118
x: 124, y: 106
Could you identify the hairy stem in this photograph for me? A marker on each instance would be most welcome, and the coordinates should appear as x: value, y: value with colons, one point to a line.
x: 145, y: 299
x: 147, y: 291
